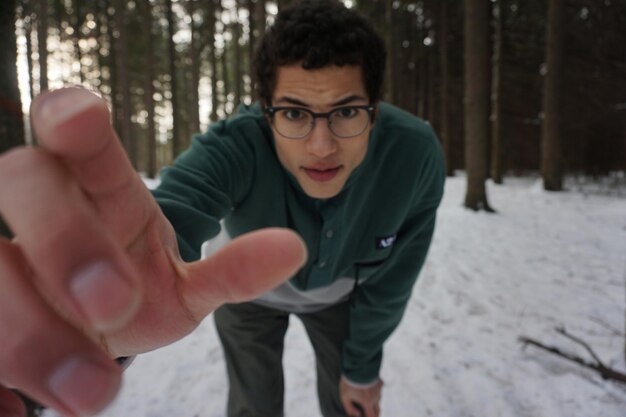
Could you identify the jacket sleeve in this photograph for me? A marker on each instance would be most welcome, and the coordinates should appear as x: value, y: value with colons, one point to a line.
x: 379, y: 302
x: 204, y: 184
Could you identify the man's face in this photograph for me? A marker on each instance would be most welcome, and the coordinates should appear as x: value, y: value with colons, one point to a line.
x: 321, y: 161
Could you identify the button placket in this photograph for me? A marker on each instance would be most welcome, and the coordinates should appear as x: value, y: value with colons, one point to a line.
x: 327, y: 243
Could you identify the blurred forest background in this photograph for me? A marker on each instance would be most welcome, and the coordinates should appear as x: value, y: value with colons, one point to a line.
x: 511, y: 86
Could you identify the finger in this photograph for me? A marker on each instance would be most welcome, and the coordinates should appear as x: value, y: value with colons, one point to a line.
x: 369, y: 409
x: 74, y: 125
x: 242, y: 270
x: 10, y: 404
x: 350, y: 408
x: 43, y: 356
x: 79, y: 266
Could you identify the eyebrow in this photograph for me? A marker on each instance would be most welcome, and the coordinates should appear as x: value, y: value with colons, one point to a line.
x: 343, y: 101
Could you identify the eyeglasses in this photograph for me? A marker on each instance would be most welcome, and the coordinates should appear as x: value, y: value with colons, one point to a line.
x: 298, y: 122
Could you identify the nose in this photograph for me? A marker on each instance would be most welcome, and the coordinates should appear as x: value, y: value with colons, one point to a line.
x: 321, y: 141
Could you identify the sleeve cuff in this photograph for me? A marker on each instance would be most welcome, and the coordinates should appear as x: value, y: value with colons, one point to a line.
x: 360, y: 384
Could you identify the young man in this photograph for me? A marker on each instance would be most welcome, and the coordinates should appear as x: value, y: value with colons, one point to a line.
x: 360, y: 181
x: 101, y: 269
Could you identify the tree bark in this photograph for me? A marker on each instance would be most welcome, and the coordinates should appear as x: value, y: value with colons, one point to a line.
x: 11, y: 117
x: 224, y: 68
x: 444, y: 129
x: 476, y: 102
x: 432, y: 87
x: 123, y: 78
x: 151, y: 139
x: 112, y: 59
x: 42, y: 44
x: 281, y: 4
x: 252, y: 33
x: 551, y: 159
x: 28, y: 33
x: 213, y: 60
x: 423, y: 74
x: 237, y: 58
x: 497, y: 124
x: 194, y: 62
x: 171, y: 31
x: 77, y: 21
x: 391, y: 61
x: 101, y: 21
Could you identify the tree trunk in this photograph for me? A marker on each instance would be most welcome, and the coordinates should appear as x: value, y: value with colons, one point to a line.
x: 391, y: 61
x: 497, y: 124
x: 151, y: 139
x: 213, y: 60
x: 432, y: 87
x: 25, y: 14
x: 281, y: 4
x: 42, y: 44
x: 476, y: 102
x: 171, y: 31
x: 101, y: 21
x: 11, y: 117
x: 260, y: 17
x: 112, y: 59
x: 252, y: 20
x: 123, y: 78
x: 77, y: 21
x: 551, y: 164
x: 28, y: 33
x: 414, y: 60
x: 237, y: 58
x: 423, y: 74
x: 225, y: 75
x: 444, y: 129
x: 194, y: 71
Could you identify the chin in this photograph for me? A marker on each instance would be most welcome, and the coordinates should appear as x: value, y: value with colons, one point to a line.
x: 316, y: 192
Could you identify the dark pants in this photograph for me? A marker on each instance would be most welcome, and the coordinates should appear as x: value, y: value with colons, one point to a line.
x: 252, y: 337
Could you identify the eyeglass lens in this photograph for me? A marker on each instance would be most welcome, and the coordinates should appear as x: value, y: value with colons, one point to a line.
x: 343, y: 122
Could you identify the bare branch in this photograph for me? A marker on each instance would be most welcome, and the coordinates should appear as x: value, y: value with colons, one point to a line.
x: 605, y: 372
x: 607, y: 326
x: 562, y: 331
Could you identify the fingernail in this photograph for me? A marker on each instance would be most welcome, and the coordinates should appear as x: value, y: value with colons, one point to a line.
x: 83, y: 386
x: 104, y: 295
x: 57, y: 107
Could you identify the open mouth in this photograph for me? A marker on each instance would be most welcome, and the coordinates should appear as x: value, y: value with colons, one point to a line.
x: 322, y: 175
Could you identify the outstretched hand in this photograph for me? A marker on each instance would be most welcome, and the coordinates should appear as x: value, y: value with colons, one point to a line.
x: 94, y: 270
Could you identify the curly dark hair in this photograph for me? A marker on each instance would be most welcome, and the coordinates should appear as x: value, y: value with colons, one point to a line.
x: 320, y: 33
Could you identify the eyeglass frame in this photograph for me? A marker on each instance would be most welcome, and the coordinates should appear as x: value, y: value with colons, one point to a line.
x: 271, y: 110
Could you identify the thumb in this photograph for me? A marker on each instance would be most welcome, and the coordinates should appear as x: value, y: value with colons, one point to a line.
x: 242, y: 270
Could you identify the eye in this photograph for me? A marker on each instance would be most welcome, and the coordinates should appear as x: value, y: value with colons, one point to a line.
x: 346, y: 112
x: 293, y: 114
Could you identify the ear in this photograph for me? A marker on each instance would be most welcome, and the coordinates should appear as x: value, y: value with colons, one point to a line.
x: 266, y: 115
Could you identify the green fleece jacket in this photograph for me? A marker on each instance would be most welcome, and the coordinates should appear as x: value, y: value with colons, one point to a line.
x: 368, y: 243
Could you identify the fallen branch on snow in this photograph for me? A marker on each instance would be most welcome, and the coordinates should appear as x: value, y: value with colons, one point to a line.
x: 604, y: 371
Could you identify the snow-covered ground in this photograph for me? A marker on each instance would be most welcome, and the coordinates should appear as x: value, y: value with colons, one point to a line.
x: 544, y: 260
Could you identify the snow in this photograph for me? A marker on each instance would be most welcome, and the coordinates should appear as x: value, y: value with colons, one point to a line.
x: 544, y: 260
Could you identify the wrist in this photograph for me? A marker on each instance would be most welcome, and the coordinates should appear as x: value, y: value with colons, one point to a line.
x: 362, y: 385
